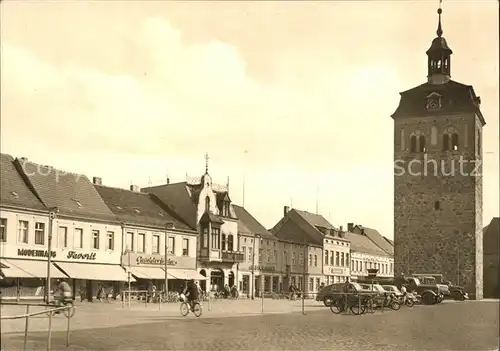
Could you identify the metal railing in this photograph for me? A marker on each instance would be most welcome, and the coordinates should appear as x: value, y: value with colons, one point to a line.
x: 49, y: 312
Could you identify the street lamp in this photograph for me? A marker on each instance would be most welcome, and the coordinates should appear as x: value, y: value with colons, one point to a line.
x: 168, y: 225
x: 255, y: 237
x: 52, y: 215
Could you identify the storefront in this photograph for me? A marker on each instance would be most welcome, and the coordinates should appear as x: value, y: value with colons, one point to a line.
x: 151, y: 268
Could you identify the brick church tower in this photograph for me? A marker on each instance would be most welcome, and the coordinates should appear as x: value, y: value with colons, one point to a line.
x: 438, y: 187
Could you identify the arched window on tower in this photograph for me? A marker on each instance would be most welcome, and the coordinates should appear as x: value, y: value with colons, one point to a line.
x: 421, y: 144
x: 413, y: 143
x: 207, y: 204
x: 446, y: 142
x: 478, y: 141
x: 454, y: 142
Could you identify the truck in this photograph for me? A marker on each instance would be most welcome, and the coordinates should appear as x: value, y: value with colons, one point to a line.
x: 430, y: 293
x: 454, y: 292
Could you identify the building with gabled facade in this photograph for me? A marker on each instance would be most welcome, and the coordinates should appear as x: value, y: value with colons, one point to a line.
x: 145, y: 223
x: 491, y: 252
x: 378, y: 239
x: 85, y: 237
x: 311, y: 237
x: 207, y: 208
x: 260, y: 270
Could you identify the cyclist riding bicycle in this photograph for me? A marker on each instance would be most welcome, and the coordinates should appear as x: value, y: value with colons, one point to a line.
x: 62, y: 293
x: 191, y: 291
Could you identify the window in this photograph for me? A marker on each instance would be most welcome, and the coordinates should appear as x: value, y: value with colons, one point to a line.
x: 294, y: 256
x: 275, y: 255
x: 437, y: 205
x: 268, y: 255
x: 23, y: 232
x: 310, y: 260
x: 215, y: 237
x: 326, y: 257
x: 244, y: 249
x: 250, y: 254
x: 141, y: 242
x: 315, y: 260
x: 230, y: 243
x: 171, y: 245
x: 63, y: 236
x: 156, y: 244
x: 413, y: 143
x: 352, y: 264
x: 478, y: 141
x: 78, y: 238
x: 342, y: 262
x: 110, y: 241
x: 337, y: 258
x: 346, y: 259
x: 332, y: 258
x: 205, y: 237
x: 421, y: 144
x: 223, y: 242
x: 454, y: 141
x: 301, y: 258
x: 3, y: 229
x: 285, y: 257
x: 225, y: 209
x: 185, y: 247
x: 261, y: 252
x: 207, y: 204
x: 311, y: 284
x: 39, y: 233
x: 446, y: 142
x: 390, y: 268
x: 95, y: 239
x: 130, y: 241
x: 318, y: 284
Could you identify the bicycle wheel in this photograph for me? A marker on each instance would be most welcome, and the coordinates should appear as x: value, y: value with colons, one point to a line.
x: 184, y: 309
x: 70, y: 311
x: 395, y: 305
x: 197, y: 310
x: 336, y: 307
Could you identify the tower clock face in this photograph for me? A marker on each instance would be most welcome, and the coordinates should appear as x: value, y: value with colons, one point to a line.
x: 432, y: 104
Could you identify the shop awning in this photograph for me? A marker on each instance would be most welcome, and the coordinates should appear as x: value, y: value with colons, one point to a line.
x: 185, y: 274
x: 92, y: 271
x: 148, y: 272
x: 29, y: 269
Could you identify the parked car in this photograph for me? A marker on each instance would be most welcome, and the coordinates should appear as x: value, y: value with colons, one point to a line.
x: 393, y: 289
x: 334, y: 292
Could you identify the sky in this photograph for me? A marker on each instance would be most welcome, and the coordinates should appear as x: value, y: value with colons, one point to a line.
x: 291, y: 99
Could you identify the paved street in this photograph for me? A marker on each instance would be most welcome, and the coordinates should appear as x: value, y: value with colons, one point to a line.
x: 452, y: 326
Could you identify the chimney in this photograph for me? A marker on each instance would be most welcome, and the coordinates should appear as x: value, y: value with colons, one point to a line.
x: 168, y: 181
x: 285, y: 210
x: 97, y: 180
x: 135, y: 188
x: 350, y: 227
x: 341, y: 228
x: 23, y: 159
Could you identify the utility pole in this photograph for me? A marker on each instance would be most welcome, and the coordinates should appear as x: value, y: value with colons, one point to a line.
x: 52, y: 215
x: 255, y: 237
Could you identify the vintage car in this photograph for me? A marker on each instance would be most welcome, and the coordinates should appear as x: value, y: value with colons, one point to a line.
x: 393, y: 289
x: 333, y: 292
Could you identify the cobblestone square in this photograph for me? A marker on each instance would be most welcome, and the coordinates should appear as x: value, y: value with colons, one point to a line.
x: 240, y: 325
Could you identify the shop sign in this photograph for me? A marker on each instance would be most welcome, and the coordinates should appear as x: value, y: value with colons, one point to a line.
x: 35, y: 253
x: 336, y: 271
x: 73, y: 255
x: 153, y: 260
x: 263, y: 268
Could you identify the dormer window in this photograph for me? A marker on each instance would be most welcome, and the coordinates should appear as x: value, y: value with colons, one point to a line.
x: 16, y: 195
x: 433, y: 101
x: 136, y: 210
x: 78, y: 203
x: 226, y: 211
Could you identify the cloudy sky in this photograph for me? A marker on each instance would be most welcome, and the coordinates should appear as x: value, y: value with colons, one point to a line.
x: 293, y: 97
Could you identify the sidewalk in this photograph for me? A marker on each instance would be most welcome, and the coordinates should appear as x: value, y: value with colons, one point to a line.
x: 106, y: 315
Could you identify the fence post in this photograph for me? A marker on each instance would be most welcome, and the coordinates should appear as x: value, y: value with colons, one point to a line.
x: 26, y: 327
x: 262, y: 304
x: 49, y: 334
x: 69, y: 324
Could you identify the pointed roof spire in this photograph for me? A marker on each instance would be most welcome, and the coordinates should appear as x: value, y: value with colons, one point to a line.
x: 206, y: 163
x: 439, y: 31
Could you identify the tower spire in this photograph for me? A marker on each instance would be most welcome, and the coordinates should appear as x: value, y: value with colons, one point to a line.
x: 439, y: 31
x: 206, y: 163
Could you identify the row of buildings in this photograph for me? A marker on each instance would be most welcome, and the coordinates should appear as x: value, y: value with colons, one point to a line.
x: 105, y: 236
